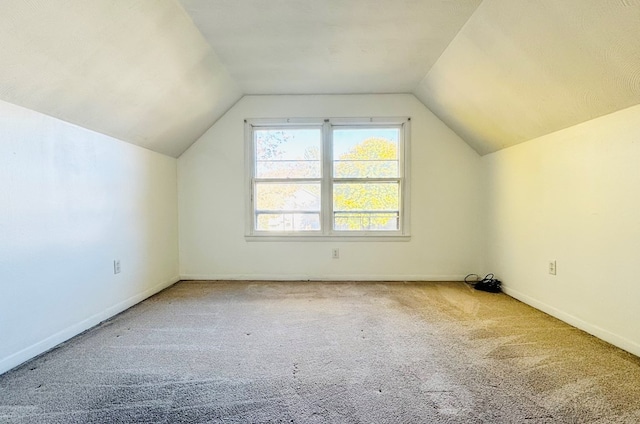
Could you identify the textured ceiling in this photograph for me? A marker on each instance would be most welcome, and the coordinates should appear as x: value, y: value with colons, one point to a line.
x: 329, y: 46
x: 158, y: 73
x: 520, y: 69
x: 137, y: 70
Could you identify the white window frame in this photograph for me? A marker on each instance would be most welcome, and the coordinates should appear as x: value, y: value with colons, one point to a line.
x: 327, y: 233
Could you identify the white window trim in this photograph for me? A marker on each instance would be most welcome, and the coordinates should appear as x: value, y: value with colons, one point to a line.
x: 328, y: 234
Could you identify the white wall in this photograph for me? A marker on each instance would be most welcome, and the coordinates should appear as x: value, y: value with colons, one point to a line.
x: 446, y: 190
x: 72, y: 201
x: 572, y: 196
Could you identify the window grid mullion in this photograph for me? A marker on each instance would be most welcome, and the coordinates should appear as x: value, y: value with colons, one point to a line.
x: 367, y: 180
x: 327, y: 174
x: 287, y: 180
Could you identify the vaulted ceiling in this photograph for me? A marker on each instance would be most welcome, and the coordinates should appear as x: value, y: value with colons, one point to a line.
x: 158, y: 73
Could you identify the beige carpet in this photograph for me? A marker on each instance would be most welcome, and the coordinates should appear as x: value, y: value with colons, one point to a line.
x: 304, y: 352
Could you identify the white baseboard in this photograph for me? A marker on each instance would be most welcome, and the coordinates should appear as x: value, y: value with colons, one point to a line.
x: 616, y: 340
x: 42, y: 346
x: 301, y: 277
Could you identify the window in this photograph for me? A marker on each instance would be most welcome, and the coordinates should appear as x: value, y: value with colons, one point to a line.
x: 327, y: 178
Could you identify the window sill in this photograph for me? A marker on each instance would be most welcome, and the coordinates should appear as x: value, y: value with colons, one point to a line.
x: 322, y: 238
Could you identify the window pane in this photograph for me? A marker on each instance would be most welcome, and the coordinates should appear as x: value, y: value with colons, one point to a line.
x: 287, y: 197
x: 366, y: 196
x: 366, y: 152
x: 366, y: 221
x: 288, y: 169
x: 288, y: 153
x: 366, y: 206
x: 288, y: 221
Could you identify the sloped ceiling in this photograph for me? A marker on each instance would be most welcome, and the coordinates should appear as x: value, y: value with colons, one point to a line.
x: 329, y: 46
x: 158, y: 73
x: 520, y: 69
x: 137, y: 70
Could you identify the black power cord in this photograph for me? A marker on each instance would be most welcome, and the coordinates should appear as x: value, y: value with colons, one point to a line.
x: 489, y: 283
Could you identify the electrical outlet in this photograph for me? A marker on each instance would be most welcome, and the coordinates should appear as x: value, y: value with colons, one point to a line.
x: 335, y: 253
x: 552, y: 267
x: 116, y: 266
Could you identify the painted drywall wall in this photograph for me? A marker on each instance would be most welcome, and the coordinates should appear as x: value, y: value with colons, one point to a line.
x: 72, y: 201
x: 572, y: 196
x: 445, y: 192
